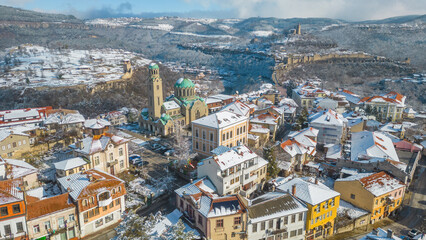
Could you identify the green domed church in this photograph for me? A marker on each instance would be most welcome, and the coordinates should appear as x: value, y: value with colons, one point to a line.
x: 181, y: 108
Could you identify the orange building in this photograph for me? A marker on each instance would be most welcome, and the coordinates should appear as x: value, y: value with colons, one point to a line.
x: 12, y: 210
x: 99, y: 198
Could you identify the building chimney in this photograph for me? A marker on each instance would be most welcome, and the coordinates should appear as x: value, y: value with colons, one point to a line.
x: 316, y: 181
x: 190, y: 180
x: 390, y: 233
x: 293, y: 190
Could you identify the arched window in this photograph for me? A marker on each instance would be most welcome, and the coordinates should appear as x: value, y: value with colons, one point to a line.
x: 85, y: 202
x: 119, y: 188
x: 92, y: 200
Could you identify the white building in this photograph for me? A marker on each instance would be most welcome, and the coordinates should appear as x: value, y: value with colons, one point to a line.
x: 366, y: 145
x: 331, y: 125
x: 278, y: 215
x: 233, y: 170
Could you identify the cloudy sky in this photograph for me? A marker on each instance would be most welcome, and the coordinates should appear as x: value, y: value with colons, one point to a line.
x: 353, y: 10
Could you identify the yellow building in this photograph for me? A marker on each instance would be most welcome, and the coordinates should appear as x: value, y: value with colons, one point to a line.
x: 223, y: 128
x: 180, y: 109
x: 321, y: 201
x: 71, y: 166
x: 390, y: 106
x: 13, y: 144
x: 378, y: 193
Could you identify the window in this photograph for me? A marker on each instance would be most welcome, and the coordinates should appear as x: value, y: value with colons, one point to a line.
x: 271, y: 224
x: 36, y: 228
x: 111, y: 205
x: 285, y: 235
x: 293, y: 218
x: 109, y: 218
x: 19, y: 227
x: 286, y: 220
x: 92, y: 200
x: 238, y: 131
x: 227, y: 135
x: 61, y: 222
x: 230, y: 134
x: 86, y: 216
x: 262, y: 226
x: 196, y: 145
x: 204, y: 135
x: 254, y: 227
x: 121, y: 163
x: 300, y: 217
x: 99, y: 222
x: 7, y: 230
x: 279, y: 223
x: 71, y: 234
x: 104, y: 208
x: 219, y: 223
x: 244, y: 129
x: 47, y: 225
x: 84, y: 202
x: 353, y: 196
x: 14, y: 144
x: 117, y: 202
x: 237, y: 220
x: 211, y: 136
x: 111, y: 156
x: 3, y: 211
x: 97, y: 160
x: 196, y: 132
x: 16, y: 208
x: 200, y: 220
x: 24, y: 141
x: 223, y: 137
x: 300, y: 231
x: 120, y: 151
x: 293, y: 233
x: 3, y: 148
x: 19, y: 143
x: 71, y: 218
x: 204, y: 147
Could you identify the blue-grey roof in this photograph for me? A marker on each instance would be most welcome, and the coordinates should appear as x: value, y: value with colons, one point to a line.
x: 354, y: 121
x: 220, y: 150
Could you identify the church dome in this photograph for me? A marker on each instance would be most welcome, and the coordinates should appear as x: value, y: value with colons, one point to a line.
x: 184, y: 83
x: 153, y: 66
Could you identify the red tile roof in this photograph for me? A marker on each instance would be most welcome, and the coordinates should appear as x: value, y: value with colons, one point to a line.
x: 38, y: 208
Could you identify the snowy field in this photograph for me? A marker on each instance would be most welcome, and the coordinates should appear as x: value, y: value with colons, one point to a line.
x: 35, y: 66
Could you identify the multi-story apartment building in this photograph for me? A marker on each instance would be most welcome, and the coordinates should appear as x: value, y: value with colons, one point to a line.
x: 390, y: 106
x: 223, y: 128
x: 51, y: 218
x: 234, y: 170
x: 276, y: 215
x: 305, y: 95
x: 12, y: 210
x: 268, y: 120
x: 322, y: 204
x: 238, y: 108
x: 107, y: 152
x: 300, y: 147
x: 216, y: 217
x: 331, y: 125
x: 13, y: 144
x: 99, y: 198
x: 378, y: 193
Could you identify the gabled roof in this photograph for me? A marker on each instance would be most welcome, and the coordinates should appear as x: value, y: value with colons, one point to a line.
x: 301, y: 142
x: 366, y: 145
x: 220, y: 119
x: 19, y: 168
x: 234, y: 156
x: 70, y: 163
x: 48, y: 206
x: 98, y: 143
x: 327, y: 117
x: 201, y: 185
x: 10, y: 191
x: 62, y: 119
x: 79, y: 184
x: 238, y: 108
x: 6, y: 133
x: 266, y: 118
x: 273, y: 205
x: 96, y: 123
x: 376, y: 183
x: 222, y: 206
x: 309, y: 192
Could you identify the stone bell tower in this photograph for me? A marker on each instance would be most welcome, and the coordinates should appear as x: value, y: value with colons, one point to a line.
x: 155, y: 91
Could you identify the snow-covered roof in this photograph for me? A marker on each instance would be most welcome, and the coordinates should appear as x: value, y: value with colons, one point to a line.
x: 170, y: 105
x: 327, y: 117
x: 61, y: 118
x: 76, y: 183
x: 266, y: 118
x: 220, y: 119
x: 334, y: 152
x: 273, y: 205
x: 392, y: 128
x: 70, y: 163
x: 96, y: 123
x: 349, y: 171
x: 410, y: 111
x: 98, y: 143
x: 354, y: 121
x: 19, y: 168
x: 256, y: 128
x: 235, y: 156
x: 222, y: 97
x: 308, y: 191
x: 367, y: 145
x: 4, y: 133
x: 301, y: 142
x: 211, y: 100
x: 349, y: 210
x: 288, y: 102
x: 198, y: 186
x: 350, y: 96
x: 376, y: 183
x: 380, y: 234
x: 10, y: 191
x: 238, y: 108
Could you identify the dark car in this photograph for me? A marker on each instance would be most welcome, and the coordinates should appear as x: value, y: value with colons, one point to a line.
x: 413, y: 232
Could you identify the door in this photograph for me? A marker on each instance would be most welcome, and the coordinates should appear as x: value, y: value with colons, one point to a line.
x: 111, y: 170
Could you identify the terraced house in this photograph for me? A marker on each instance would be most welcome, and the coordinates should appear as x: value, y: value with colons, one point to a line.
x: 378, y: 193
x: 99, y: 199
x: 12, y: 210
x: 321, y: 201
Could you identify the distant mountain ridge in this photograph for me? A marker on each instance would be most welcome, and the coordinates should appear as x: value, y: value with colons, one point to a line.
x: 18, y: 14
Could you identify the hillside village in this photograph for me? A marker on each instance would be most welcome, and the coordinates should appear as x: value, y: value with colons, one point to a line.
x: 306, y: 163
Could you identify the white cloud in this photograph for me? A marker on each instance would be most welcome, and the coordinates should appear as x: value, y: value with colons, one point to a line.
x: 342, y: 9
x: 18, y: 3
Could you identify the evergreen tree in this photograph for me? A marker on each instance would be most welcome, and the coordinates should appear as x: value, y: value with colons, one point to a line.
x: 269, y: 155
x: 178, y: 232
x: 302, y: 120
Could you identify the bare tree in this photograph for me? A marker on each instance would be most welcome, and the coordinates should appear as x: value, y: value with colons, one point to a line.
x: 182, y: 146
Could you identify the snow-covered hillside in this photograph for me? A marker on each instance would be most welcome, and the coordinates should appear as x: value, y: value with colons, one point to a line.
x: 34, y: 66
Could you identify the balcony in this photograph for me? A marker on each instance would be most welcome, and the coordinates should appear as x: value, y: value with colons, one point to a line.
x: 113, y: 163
x: 104, y: 199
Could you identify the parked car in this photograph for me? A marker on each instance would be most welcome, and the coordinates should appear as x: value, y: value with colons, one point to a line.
x: 169, y: 152
x: 140, y: 163
x: 414, y: 232
x: 134, y: 156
